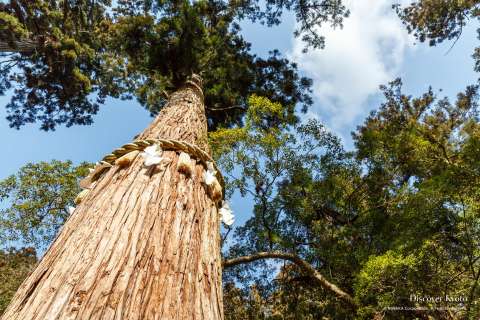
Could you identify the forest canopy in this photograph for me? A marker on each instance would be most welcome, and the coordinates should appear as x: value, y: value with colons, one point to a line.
x: 64, y: 58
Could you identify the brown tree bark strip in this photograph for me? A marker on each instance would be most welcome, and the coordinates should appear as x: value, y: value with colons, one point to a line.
x: 305, y: 266
x: 25, y: 45
x: 141, y: 244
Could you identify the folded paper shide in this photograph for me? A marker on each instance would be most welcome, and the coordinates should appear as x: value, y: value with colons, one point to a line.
x: 152, y: 155
x: 226, y: 214
x: 209, y: 176
x: 70, y: 209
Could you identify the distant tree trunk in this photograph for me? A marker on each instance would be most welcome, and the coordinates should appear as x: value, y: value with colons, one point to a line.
x: 141, y: 245
x: 25, y: 45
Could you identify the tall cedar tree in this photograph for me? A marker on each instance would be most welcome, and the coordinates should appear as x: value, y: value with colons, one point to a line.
x: 143, y: 243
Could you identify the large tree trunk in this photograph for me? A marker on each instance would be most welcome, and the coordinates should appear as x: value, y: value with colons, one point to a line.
x: 141, y: 245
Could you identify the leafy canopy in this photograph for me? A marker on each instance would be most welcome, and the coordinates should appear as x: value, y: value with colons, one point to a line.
x: 436, y: 21
x: 53, y: 62
x: 398, y: 215
x: 64, y: 58
x: 36, y: 202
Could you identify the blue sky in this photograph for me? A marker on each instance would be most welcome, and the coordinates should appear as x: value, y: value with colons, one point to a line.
x: 372, y: 48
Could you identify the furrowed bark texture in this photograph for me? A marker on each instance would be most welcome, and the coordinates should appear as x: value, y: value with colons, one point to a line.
x: 141, y: 245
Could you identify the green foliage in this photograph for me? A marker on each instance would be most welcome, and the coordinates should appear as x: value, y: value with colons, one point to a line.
x: 425, y: 178
x: 261, y: 122
x: 438, y: 20
x: 310, y: 16
x: 243, y: 305
x: 15, y: 265
x: 261, y: 162
x: 397, y: 216
x: 35, y: 202
x: 54, y: 61
x: 165, y: 43
x: 67, y: 57
x: 382, y: 280
x: 11, y: 27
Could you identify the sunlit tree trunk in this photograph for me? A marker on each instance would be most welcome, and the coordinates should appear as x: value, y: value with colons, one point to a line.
x: 141, y: 245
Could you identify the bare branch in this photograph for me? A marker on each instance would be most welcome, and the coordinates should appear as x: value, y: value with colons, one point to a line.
x: 225, y: 108
x: 305, y: 266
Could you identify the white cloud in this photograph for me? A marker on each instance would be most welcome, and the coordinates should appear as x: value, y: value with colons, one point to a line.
x: 367, y: 52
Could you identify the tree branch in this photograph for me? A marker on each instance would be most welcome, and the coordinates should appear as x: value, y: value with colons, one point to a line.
x: 334, y: 216
x: 226, y: 108
x: 25, y: 45
x: 305, y: 266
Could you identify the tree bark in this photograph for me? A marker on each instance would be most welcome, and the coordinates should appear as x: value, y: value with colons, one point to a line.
x: 25, y: 46
x: 142, y: 244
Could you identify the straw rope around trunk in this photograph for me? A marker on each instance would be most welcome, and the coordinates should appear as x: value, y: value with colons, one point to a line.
x: 166, y: 145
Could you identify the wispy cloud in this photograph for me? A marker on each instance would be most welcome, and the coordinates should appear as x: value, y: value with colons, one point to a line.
x: 367, y: 52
